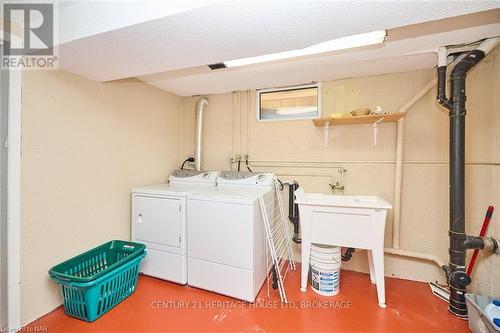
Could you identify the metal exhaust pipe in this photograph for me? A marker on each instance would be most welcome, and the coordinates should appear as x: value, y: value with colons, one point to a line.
x: 198, y: 148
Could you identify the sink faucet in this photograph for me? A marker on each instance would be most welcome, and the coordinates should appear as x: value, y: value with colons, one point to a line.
x: 336, y: 187
x: 339, y: 186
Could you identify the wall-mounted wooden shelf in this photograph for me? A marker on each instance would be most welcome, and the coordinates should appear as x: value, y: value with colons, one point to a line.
x: 391, y: 117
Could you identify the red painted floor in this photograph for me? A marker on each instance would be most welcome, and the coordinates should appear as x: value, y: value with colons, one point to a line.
x: 159, y: 306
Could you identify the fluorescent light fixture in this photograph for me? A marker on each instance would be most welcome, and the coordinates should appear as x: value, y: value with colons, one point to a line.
x: 349, y: 42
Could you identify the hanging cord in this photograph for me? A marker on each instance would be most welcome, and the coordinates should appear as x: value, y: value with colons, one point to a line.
x: 281, y: 187
x: 190, y: 159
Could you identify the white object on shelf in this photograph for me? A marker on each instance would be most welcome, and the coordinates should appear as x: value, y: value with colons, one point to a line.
x: 159, y: 221
x: 341, y: 220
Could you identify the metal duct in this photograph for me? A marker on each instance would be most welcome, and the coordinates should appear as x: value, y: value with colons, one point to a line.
x: 198, y: 148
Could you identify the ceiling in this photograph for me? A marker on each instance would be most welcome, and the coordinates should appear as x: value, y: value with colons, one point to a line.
x: 84, y: 18
x: 170, y: 47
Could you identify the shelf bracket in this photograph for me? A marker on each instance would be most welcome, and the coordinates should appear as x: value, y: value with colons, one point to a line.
x: 326, y: 128
x: 375, y: 131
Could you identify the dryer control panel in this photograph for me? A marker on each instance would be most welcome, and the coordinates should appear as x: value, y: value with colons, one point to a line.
x: 235, y: 178
x: 193, y: 177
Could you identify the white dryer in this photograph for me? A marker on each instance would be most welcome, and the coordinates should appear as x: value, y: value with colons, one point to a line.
x: 226, y: 235
x: 159, y: 221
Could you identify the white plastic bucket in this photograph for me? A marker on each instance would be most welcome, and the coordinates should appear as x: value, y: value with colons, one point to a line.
x: 326, y: 254
x: 319, y: 248
x: 325, y: 269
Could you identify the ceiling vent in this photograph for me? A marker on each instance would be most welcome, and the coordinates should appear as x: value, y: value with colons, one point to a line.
x: 220, y: 65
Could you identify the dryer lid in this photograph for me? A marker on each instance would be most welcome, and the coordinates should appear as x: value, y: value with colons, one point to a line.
x: 244, y: 196
x: 180, y: 190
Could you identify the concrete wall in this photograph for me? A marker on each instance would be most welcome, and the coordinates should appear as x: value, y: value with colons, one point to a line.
x: 84, y: 146
x: 231, y: 128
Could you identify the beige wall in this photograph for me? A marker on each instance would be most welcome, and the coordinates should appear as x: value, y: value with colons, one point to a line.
x: 231, y: 128
x: 84, y: 145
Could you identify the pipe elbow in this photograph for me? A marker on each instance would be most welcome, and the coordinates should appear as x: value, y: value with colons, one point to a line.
x: 441, y: 88
x: 466, y: 64
x: 488, y: 244
x: 443, y: 101
x: 472, y: 242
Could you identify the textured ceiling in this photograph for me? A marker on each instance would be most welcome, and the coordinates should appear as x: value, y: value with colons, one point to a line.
x: 83, y: 18
x: 398, y: 56
x: 184, y: 40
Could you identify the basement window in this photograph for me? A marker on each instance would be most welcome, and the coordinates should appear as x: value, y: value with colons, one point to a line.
x: 298, y: 102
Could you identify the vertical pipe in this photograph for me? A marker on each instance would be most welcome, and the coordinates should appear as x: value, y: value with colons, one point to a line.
x: 198, y: 149
x: 457, y: 194
x: 398, y: 173
x: 398, y: 178
x: 291, y: 201
x: 441, y: 96
x: 458, y: 278
x: 293, y: 210
x: 296, y: 212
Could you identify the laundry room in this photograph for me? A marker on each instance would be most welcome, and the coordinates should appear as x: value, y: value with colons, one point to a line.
x: 250, y: 166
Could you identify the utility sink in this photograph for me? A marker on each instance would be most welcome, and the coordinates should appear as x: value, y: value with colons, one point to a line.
x: 356, y: 221
x: 358, y: 201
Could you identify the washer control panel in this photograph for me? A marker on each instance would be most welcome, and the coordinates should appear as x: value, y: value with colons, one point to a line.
x: 245, y: 178
x: 186, y: 173
x: 193, y: 177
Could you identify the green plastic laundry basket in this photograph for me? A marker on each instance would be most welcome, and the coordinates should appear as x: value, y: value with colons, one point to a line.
x: 94, y: 282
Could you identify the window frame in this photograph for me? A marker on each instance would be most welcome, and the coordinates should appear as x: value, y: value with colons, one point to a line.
x: 288, y: 88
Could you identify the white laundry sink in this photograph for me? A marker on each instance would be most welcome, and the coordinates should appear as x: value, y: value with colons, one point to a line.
x: 356, y: 221
x: 358, y: 201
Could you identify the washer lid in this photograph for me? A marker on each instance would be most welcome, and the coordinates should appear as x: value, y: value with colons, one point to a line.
x: 180, y: 190
x: 229, y: 195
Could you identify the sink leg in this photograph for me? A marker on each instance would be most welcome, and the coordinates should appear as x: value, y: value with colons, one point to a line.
x: 306, y: 251
x: 378, y: 265
x: 370, y: 266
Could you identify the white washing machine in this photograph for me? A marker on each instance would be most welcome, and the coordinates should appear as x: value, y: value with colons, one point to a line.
x: 226, y: 235
x: 159, y: 221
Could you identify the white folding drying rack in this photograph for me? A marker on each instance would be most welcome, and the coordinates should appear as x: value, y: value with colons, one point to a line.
x: 279, y: 254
